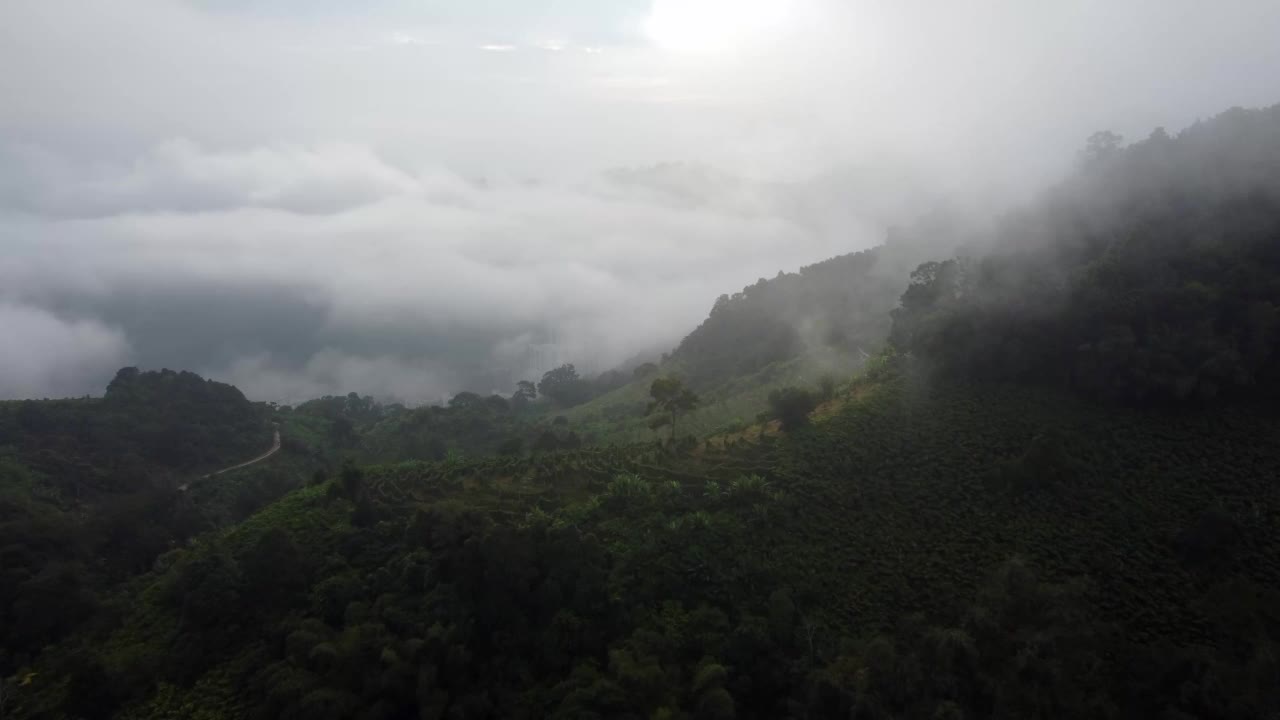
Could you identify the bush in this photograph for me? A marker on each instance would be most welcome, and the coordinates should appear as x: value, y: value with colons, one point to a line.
x: 827, y: 387
x: 629, y: 487
x: 791, y: 406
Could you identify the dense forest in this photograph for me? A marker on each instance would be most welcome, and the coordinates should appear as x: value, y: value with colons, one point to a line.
x: 1148, y: 277
x: 1048, y: 491
x: 89, y: 491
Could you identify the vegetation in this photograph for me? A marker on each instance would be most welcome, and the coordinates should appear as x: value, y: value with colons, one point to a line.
x: 672, y: 399
x: 791, y: 406
x: 89, y: 492
x: 731, y: 406
x: 1149, y: 277
x: 1016, y: 509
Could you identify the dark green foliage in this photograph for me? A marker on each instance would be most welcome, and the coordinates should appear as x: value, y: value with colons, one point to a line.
x: 352, y: 479
x: 180, y: 419
x: 208, y: 591
x: 937, y: 546
x: 471, y: 424
x: 791, y: 406
x: 525, y: 390
x: 1152, y: 276
x: 88, y: 498
x: 147, y: 422
x: 275, y: 570
x: 511, y: 447
x: 672, y: 399
x: 563, y: 387
x: 834, y: 573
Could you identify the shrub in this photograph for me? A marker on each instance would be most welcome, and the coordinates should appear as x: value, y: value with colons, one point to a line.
x: 791, y: 406
x: 827, y: 387
x: 749, y: 486
x: 629, y: 487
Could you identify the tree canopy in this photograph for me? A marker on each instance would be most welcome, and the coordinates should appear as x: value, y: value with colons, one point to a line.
x: 672, y: 399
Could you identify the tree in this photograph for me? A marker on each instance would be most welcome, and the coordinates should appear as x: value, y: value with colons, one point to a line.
x: 274, y: 570
x: 564, y: 386
x: 1100, y: 146
x: 526, y: 391
x: 511, y: 447
x: 464, y: 400
x: 208, y: 590
x: 352, y: 481
x: 792, y: 405
x: 644, y: 370
x: 671, y: 398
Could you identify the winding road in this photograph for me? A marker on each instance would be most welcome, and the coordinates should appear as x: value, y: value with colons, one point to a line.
x: 275, y: 448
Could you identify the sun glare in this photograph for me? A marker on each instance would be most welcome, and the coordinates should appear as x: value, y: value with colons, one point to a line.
x: 712, y: 26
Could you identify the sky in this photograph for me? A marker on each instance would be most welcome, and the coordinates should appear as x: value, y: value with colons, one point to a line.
x: 407, y: 198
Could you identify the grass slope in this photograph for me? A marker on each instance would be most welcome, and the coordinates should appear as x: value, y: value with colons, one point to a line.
x: 618, y: 416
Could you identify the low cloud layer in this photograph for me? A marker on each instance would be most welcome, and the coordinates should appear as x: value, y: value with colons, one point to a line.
x: 44, y: 355
x: 322, y: 197
x: 299, y: 271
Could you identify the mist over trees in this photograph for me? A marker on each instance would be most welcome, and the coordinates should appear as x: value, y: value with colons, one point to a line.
x: 1147, y: 277
x: 1009, y: 452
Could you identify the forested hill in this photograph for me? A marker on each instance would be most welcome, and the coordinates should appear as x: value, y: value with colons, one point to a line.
x: 839, y: 305
x: 89, y: 492
x: 1152, y: 275
x: 146, y: 423
x: 1051, y: 495
x: 809, y: 327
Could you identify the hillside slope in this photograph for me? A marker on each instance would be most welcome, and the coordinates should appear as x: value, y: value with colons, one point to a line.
x: 90, y: 492
x: 624, y: 580
x: 795, y: 329
x: 1052, y: 495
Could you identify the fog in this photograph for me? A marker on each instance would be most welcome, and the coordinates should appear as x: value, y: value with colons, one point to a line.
x: 409, y: 198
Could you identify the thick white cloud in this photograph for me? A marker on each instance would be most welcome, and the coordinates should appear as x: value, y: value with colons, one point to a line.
x: 44, y: 355
x: 600, y: 268
x: 179, y: 176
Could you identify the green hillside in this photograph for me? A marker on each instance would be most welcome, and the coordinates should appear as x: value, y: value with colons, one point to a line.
x: 635, y: 581
x: 620, y: 415
x: 1048, y: 492
x: 796, y: 329
x: 93, y: 490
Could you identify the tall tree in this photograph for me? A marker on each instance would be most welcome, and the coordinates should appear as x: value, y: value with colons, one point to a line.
x: 527, y: 390
x: 1100, y: 146
x: 564, y: 387
x: 671, y: 398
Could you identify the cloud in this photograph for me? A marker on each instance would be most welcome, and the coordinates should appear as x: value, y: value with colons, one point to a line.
x: 303, y: 194
x: 44, y: 355
x: 180, y: 176
x: 441, y: 281
x: 332, y: 372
